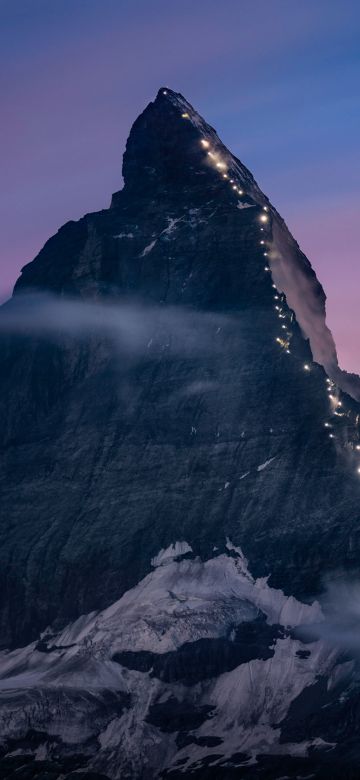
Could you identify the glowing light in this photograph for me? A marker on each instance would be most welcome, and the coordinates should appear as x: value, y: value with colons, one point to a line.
x: 327, y: 425
x: 231, y: 181
x: 185, y: 115
x: 265, y: 208
x: 264, y: 218
x: 274, y: 286
x: 283, y: 327
x: 329, y: 381
x: 359, y: 470
x: 210, y: 154
x: 331, y: 436
x: 262, y: 230
x: 241, y: 192
x: 357, y: 447
x: 276, y: 297
x: 306, y: 367
x: 288, y: 351
x: 205, y: 143
x: 265, y: 254
x: 262, y: 242
x: 220, y: 165
x: 266, y: 268
x: 225, y: 176
x: 164, y: 92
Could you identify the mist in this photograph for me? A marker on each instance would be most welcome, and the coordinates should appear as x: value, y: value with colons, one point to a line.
x: 132, y: 327
x: 341, y: 625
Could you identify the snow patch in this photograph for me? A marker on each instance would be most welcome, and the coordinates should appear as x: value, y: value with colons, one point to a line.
x: 171, y: 226
x: 241, y: 205
x: 148, y: 248
x: 264, y: 465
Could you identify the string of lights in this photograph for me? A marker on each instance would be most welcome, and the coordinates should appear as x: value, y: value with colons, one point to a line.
x: 336, y: 405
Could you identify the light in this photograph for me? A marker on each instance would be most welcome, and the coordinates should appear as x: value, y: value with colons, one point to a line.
x: 274, y: 286
x: 276, y: 297
x: 262, y: 230
x: 357, y: 447
x: 231, y: 181
x: 265, y: 208
x: 278, y: 340
x: 220, y: 165
x: 288, y: 351
x: 265, y: 254
x: 185, y: 115
x: 262, y: 242
x: 225, y: 176
x: 331, y: 436
x: 283, y: 327
x: 329, y: 381
x: 266, y: 268
x: 210, y: 154
x: 234, y: 187
x: 306, y: 367
x: 164, y: 92
x: 277, y: 308
x: 327, y: 425
x: 359, y: 470
x: 339, y: 403
x: 205, y: 143
x: 264, y: 218
x: 241, y: 192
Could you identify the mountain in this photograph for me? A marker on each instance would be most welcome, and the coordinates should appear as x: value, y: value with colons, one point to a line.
x: 179, y: 487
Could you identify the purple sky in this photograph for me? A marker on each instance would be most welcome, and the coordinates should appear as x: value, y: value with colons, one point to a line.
x: 278, y: 79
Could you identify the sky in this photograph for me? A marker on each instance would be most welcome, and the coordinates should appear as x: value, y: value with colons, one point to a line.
x: 278, y: 79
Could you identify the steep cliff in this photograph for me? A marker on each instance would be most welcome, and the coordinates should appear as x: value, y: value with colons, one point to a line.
x: 179, y: 473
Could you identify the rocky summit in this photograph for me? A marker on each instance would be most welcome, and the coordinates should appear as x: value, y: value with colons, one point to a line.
x: 180, y: 487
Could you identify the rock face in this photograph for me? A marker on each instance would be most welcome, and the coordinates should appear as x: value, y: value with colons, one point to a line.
x: 178, y: 476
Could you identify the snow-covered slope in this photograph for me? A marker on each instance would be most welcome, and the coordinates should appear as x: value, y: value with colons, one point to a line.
x: 129, y: 648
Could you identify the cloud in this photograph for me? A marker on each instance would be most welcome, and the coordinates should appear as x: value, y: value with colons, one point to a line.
x: 131, y: 327
x: 341, y: 625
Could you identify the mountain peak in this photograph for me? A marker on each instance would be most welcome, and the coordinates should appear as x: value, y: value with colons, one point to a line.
x: 171, y: 145
x: 172, y: 153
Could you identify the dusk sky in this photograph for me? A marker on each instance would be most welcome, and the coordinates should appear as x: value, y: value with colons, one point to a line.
x: 278, y: 79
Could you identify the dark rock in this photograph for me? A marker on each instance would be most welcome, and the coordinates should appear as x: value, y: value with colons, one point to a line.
x: 195, y: 661
x: 188, y: 421
x: 174, y: 715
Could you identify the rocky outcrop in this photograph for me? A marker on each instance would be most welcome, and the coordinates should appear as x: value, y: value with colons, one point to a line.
x: 167, y: 377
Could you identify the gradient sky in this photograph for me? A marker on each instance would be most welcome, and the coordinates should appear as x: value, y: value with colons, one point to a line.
x: 278, y: 79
